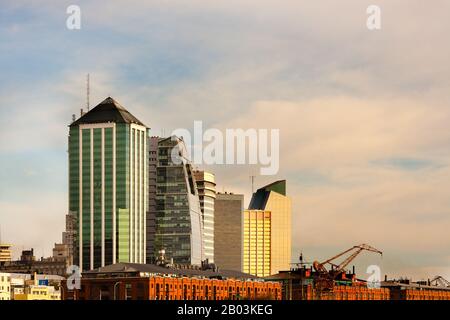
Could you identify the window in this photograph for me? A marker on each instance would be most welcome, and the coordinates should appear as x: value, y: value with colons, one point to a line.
x: 128, y: 291
x: 140, y: 291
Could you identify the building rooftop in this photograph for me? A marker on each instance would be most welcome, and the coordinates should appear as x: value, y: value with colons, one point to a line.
x: 260, y: 197
x: 411, y: 285
x: 277, y: 186
x: 135, y: 268
x: 109, y: 110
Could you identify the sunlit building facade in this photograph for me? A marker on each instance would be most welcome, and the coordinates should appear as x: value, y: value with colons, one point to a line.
x: 272, y: 199
x: 108, y: 186
x: 257, y: 242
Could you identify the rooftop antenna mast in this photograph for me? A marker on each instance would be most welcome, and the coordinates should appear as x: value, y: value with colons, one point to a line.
x: 87, y: 92
x: 252, y: 178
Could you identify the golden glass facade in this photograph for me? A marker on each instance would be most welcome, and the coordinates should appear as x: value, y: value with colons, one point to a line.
x: 269, y: 202
x: 280, y: 207
x: 257, y: 242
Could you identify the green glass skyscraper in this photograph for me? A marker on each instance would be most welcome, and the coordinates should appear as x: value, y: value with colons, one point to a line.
x: 108, y: 186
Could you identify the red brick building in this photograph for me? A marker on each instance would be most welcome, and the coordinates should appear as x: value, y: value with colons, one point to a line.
x: 126, y: 281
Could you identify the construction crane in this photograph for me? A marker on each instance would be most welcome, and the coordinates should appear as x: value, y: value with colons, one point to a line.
x: 325, y: 278
x: 440, y: 281
x: 338, y: 268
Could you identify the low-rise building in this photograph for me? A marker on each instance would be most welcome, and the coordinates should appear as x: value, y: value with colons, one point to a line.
x: 35, y: 286
x: 130, y: 281
x: 18, y: 283
x: 38, y: 292
x: 5, y: 286
x: 55, y: 265
x: 19, y: 286
x: 409, y: 290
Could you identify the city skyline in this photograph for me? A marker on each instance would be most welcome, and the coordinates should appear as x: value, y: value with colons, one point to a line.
x: 363, y: 116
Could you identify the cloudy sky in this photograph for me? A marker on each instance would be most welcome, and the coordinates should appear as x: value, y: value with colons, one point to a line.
x: 363, y: 115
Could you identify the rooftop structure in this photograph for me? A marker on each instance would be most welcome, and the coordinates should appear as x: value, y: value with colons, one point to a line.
x: 109, y: 110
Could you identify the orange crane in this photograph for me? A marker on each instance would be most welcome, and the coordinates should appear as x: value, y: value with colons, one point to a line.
x: 326, y: 277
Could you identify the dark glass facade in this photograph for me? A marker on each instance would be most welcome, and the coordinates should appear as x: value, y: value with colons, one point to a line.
x: 178, y: 224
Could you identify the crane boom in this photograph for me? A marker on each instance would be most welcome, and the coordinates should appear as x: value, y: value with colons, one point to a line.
x: 325, y: 279
x: 320, y: 266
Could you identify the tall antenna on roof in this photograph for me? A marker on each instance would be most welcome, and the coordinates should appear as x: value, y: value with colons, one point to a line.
x: 87, y: 92
x: 252, y: 178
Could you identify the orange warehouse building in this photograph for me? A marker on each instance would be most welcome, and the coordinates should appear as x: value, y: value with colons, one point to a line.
x: 150, y: 282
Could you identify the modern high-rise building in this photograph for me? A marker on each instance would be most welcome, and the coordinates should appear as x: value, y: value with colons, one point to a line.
x: 108, y: 186
x: 151, y: 213
x: 206, y: 186
x: 257, y: 242
x: 178, y: 221
x: 268, y: 203
x: 228, y: 213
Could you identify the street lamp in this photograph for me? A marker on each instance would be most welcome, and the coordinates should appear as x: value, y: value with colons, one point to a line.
x: 114, y: 289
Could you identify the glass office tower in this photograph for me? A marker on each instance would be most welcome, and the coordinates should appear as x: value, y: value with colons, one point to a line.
x: 108, y: 186
x: 178, y: 222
